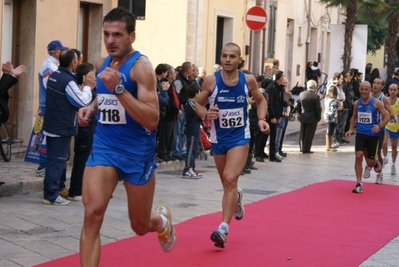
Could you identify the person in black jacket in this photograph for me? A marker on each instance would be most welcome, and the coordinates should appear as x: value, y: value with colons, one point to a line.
x: 8, y: 79
x: 275, y: 111
x: 309, y: 109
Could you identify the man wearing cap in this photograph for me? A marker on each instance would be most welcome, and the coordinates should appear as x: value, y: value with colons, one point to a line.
x: 394, y: 80
x: 49, y: 65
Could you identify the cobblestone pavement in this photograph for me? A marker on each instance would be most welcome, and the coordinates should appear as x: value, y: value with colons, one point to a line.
x: 32, y: 233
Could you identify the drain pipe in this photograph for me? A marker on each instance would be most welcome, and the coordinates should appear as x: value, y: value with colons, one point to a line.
x: 309, y: 27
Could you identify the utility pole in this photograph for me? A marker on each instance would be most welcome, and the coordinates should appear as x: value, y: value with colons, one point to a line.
x: 256, y: 48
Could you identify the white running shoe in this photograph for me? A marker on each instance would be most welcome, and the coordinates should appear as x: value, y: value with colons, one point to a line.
x: 219, y: 237
x: 393, y: 170
x: 385, y: 160
x: 366, y: 172
x: 167, y: 237
x: 380, y: 177
x: 239, y: 213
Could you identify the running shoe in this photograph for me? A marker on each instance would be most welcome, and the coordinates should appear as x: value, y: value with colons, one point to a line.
x: 58, y: 201
x: 385, y: 160
x: 219, y: 237
x: 393, y: 170
x: 239, y: 213
x: 366, y: 172
x: 380, y: 177
x: 358, y: 188
x: 167, y: 237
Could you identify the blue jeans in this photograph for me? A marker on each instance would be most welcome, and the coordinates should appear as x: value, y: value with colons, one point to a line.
x: 279, y: 133
x: 192, y: 147
x: 342, y: 116
x: 57, y: 156
x: 178, y: 142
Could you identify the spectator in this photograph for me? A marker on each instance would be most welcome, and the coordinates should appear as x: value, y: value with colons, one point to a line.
x: 63, y: 99
x: 84, y: 140
x: 356, y: 84
x: 261, y: 138
x: 347, y: 111
x: 182, y: 82
x: 310, y: 114
x: 308, y: 71
x: 50, y: 64
x: 241, y: 66
x: 268, y: 72
x: 166, y: 132
x: 337, y: 81
x: 8, y: 79
x: 367, y: 72
x: 162, y: 89
x: 195, y: 73
x: 192, y: 132
x: 216, y: 68
x: 315, y: 72
x: 201, y: 76
x: 275, y: 111
x: 375, y: 73
x: 331, y: 107
x: 394, y: 80
x: 276, y: 65
x: 289, y: 105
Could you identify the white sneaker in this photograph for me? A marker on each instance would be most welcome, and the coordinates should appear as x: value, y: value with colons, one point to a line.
x: 190, y: 174
x: 385, y: 160
x: 380, y: 177
x: 279, y: 156
x: 76, y: 198
x: 366, y: 172
x: 393, y: 170
x: 41, y: 173
x: 58, y: 201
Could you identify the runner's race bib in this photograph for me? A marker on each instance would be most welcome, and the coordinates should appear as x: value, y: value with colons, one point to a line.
x: 110, y: 109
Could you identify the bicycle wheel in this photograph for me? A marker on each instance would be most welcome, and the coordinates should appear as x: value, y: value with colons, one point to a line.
x: 321, y: 91
x: 5, y: 148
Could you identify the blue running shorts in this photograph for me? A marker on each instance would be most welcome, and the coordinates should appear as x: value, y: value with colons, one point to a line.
x: 221, y: 149
x: 133, y: 171
x: 392, y: 135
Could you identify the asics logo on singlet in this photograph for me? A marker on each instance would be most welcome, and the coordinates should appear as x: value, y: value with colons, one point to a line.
x: 224, y: 91
x: 231, y: 113
x: 108, y: 102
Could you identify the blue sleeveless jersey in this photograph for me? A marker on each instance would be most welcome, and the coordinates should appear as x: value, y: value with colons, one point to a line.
x: 233, y: 122
x: 116, y: 131
x: 367, y: 117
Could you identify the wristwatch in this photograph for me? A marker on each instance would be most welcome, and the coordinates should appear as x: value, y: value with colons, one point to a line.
x: 119, y: 89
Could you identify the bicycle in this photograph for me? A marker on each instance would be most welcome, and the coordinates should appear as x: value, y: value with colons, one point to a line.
x: 322, y: 88
x: 6, y: 142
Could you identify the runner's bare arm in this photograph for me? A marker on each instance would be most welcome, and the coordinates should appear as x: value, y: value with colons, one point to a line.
x: 207, y: 87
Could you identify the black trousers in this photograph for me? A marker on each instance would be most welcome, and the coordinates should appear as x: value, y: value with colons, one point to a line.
x: 166, y: 136
x: 306, y: 135
x: 272, y: 141
x: 82, y: 149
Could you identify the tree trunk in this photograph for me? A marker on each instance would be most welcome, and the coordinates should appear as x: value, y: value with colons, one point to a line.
x: 348, y: 35
x: 391, y: 44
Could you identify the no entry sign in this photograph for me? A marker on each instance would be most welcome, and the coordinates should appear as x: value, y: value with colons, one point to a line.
x: 256, y: 18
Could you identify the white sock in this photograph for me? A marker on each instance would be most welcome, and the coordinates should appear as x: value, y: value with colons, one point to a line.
x: 164, y: 221
x: 225, y: 226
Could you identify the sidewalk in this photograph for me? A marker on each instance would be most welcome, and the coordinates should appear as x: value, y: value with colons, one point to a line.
x: 20, y: 176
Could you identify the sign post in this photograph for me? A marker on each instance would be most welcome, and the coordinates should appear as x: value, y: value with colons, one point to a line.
x: 256, y: 19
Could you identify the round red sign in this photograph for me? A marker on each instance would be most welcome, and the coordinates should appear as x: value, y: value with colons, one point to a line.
x: 256, y: 18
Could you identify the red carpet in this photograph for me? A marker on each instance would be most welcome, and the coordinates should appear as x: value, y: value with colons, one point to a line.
x: 319, y: 225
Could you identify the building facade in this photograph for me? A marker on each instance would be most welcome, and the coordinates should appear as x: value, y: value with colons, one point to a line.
x: 172, y: 32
